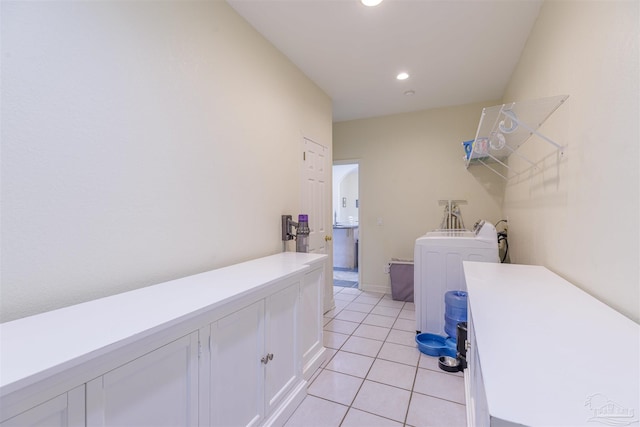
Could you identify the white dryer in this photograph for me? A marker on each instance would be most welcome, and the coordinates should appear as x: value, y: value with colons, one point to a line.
x: 438, y: 257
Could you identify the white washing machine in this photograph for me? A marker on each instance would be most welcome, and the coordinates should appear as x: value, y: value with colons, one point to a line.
x: 438, y: 257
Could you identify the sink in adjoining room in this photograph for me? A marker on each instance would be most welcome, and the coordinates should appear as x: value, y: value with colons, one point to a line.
x: 345, y: 225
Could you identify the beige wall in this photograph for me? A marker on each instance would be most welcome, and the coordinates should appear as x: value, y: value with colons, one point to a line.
x: 407, y: 163
x: 142, y: 141
x: 578, y: 215
x: 349, y: 190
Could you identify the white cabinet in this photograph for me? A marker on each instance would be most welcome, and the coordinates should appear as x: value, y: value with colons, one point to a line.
x: 311, y: 298
x: 157, y: 389
x: 536, y: 355
x: 282, y: 364
x: 225, y: 348
x: 237, y: 344
x: 477, y: 410
x: 66, y: 410
x: 255, y: 360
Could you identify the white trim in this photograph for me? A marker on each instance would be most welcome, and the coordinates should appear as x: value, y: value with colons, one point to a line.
x: 375, y: 288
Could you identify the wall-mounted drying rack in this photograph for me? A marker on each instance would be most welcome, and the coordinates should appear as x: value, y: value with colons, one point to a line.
x: 504, y: 128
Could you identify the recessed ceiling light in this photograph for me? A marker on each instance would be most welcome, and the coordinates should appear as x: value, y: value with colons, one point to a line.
x: 370, y: 3
x: 410, y: 92
x: 402, y: 76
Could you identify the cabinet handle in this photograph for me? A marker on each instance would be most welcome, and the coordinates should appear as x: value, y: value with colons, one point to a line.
x: 270, y: 356
x: 266, y: 358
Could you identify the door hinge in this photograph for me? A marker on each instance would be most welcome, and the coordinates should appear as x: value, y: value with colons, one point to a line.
x: 199, y: 349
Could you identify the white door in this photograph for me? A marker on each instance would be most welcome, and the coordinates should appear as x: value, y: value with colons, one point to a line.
x: 66, y: 410
x: 283, y: 369
x: 157, y: 389
x: 237, y: 374
x: 316, y: 193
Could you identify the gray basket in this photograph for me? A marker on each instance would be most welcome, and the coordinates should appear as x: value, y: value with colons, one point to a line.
x: 401, y: 273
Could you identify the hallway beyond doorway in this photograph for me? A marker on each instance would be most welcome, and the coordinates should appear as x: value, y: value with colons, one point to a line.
x: 345, y: 277
x: 346, y: 233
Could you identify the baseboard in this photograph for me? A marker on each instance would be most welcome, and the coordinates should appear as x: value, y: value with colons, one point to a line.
x: 329, y: 304
x: 311, y: 367
x: 375, y: 288
x: 288, y: 407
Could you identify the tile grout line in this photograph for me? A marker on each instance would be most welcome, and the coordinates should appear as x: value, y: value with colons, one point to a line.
x: 396, y: 317
x: 413, y: 386
x: 376, y: 357
x: 369, y: 370
x: 342, y: 345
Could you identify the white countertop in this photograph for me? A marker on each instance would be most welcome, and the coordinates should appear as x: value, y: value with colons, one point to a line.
x: 550, y: 354
x: 36, y: 347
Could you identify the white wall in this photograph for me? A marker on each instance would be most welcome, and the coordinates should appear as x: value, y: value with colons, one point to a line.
x: 142, y: 141
x: 340, y: 175
x: 579, y: 215
x: 407, y: 163
x: 349, y: 190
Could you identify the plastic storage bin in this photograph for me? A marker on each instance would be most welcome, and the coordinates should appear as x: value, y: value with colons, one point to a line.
x: 455, y: 311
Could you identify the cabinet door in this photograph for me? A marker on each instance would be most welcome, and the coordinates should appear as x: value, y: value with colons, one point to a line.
x: 477, y: 409
x: 311, y: 298
x: 66, y: 410
x: 237, y: 374
x: 157, y: 389
x: 281, y: 321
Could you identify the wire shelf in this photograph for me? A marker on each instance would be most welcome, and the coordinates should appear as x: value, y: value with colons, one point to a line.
x: 504, y: 128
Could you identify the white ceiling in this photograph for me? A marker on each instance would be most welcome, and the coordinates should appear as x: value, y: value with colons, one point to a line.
x: 457, y: 52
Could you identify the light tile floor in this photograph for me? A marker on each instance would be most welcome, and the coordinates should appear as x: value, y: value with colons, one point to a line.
x: 374, y: 375
x: 345, y: 278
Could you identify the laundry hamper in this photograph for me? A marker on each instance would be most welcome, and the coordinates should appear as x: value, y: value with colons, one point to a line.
x: 401, y: 273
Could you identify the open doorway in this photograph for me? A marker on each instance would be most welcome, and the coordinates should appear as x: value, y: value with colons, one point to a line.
x: 346, y: 234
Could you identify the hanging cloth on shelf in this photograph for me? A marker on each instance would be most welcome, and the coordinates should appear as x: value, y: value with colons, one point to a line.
x: 452, y: 218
